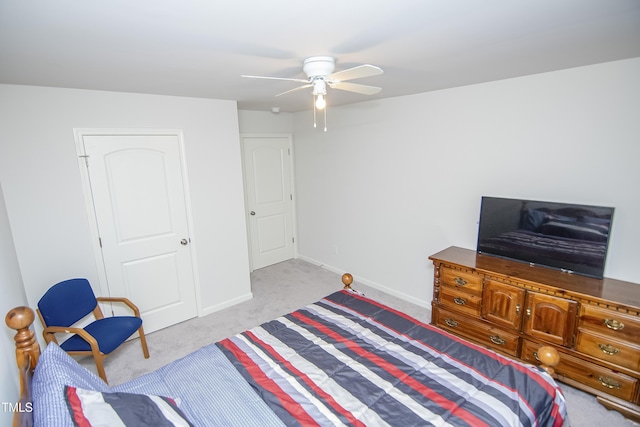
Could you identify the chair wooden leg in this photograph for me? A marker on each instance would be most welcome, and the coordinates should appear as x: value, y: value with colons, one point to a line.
x: 99, y: 359
x: 143, y: 343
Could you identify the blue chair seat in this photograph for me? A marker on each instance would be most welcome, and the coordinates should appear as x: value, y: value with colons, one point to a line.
x: 70, y: 301
x: 110, y: 332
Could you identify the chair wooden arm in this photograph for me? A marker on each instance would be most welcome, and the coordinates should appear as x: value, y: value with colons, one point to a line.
x: 125, y: 301
x: 49, y: 336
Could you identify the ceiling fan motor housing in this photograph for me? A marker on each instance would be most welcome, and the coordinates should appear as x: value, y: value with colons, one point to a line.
x: 318, y: 66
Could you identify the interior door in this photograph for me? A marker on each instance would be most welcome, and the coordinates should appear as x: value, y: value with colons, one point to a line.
x: 269, y: 199
x: 138, y: 191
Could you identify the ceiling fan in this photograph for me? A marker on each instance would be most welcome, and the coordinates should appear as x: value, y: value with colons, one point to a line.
x: 320, y: 74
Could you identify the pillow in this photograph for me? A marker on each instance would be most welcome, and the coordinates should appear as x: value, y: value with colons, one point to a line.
x: 96, y: 409
x: 603, y: 221
x: 575, y: 230
x: 54, y: 370
x: 532, y: 219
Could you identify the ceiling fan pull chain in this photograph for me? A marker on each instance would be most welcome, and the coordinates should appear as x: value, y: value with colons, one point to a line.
x: 325, y: 118
x: 314, y: 112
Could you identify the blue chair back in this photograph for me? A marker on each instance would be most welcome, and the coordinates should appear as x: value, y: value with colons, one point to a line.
x: 67, y: 302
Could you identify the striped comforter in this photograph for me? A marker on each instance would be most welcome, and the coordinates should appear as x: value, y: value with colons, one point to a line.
x: 348, y: 360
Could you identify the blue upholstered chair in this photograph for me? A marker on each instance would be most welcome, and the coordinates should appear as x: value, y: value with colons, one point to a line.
x: 67, y: 302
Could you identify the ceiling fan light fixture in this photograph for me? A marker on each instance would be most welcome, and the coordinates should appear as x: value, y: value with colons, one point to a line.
x: 320, y: 102
x: 320, y: 74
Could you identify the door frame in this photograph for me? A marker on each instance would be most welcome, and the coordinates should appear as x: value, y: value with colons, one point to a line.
x: 102, y: 287
x: 294, y: 222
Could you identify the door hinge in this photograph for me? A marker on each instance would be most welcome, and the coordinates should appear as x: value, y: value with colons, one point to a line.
x: 86, y: 159
x: 293, y: 240
x: 100, y: 241
x: 290, y: 196
x: 289, y: 151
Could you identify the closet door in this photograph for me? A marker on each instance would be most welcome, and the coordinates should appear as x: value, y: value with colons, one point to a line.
x: 138, y: 192
x: 269, y: 196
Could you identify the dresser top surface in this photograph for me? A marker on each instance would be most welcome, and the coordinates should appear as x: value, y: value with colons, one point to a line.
x: 613, y: 290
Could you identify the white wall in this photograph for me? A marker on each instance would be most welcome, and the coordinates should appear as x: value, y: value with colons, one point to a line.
x: 43, y: 192
x: 12, y: 295
x: 396, y: 180
x: 264, y: 122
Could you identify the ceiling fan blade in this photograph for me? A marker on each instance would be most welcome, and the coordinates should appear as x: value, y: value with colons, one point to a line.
x: 276, y: 78
x: 295, y: 89
x: 355, y: 87
x: 358, y: 72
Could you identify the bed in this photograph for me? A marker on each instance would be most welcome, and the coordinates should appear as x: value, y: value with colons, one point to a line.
x: 344, y: 360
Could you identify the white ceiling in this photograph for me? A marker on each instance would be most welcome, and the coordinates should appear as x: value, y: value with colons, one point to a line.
x: 200, y: 48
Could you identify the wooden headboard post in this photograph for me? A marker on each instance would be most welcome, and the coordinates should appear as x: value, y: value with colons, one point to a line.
x: 20, y: 319
x: 27, y: 353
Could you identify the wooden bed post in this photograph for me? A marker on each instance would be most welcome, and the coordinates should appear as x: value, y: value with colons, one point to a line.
x: 347, y: 279
x: 27, y: 354
x: 548, y: 357
x: 20, y: 319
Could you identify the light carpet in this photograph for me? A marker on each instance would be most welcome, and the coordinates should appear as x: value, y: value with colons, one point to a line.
x: 277, y: 290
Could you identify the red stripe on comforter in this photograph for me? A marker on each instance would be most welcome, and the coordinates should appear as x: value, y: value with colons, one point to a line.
x: 305, y: 378
x: 397, y: 373
x: 294, y: 408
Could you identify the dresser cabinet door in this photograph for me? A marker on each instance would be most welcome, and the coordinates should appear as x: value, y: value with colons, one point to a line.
x: 503, y: 304
x: 550, y: 318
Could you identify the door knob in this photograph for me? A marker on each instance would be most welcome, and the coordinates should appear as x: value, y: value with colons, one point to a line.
x: 184, y: 242
x: 252, y: 213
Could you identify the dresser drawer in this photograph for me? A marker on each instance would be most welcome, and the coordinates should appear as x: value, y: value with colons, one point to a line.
x: 607, y: 349
x: 610, y: 323
x: 460, y: 300
x: 464, y: 280
x: 482, y: 333
x: 594, y: 376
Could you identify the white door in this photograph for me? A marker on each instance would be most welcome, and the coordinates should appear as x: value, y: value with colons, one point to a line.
x: 138, y: 191
x: 269, y: 198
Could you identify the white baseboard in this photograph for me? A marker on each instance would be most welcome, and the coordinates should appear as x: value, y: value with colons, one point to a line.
x: 229, y: 303
x: 378, y: 286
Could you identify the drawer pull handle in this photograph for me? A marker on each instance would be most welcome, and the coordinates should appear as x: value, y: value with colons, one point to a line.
x: 451, y: 323
x: 609, y: 349
x: 613, y: 324
x: 460, y: 301
x: 609, y: 382
x: 460, y: 281
x: 518, y: 310
x: 497, y: 340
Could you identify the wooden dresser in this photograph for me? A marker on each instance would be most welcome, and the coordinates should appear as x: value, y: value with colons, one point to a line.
x: 515, y: 308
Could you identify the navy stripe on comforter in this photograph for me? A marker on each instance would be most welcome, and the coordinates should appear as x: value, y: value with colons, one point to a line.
x: 348, y: 360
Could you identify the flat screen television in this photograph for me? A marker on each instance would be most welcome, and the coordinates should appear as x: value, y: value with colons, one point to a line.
x: 572, y: 238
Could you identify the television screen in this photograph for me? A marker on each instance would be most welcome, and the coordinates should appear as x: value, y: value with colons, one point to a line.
x: 572, y: 238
